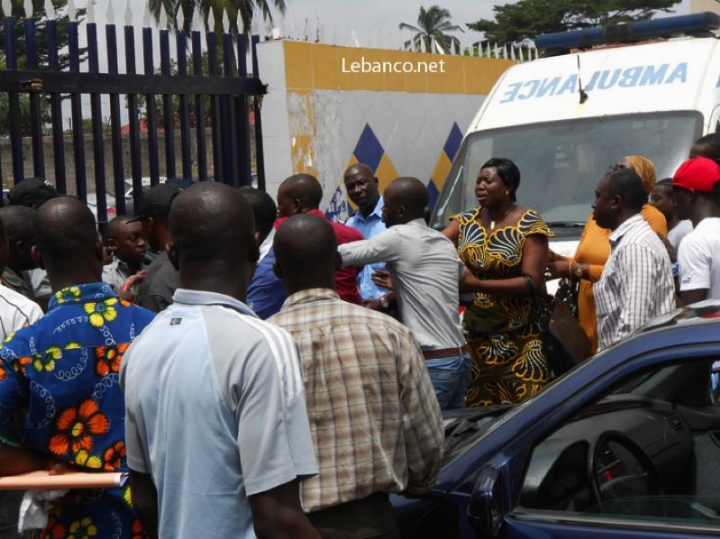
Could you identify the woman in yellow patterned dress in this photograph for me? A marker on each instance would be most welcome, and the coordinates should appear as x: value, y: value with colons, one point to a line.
x: 500, y: 243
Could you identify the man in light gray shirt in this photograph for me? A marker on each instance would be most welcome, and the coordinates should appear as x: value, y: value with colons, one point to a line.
x: 425, y: 271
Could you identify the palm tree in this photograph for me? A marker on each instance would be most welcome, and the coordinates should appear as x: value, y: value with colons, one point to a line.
x: 246, y: 9
x: 431, y: 31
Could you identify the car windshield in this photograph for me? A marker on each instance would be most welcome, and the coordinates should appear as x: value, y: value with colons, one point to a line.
x: 562, y: 162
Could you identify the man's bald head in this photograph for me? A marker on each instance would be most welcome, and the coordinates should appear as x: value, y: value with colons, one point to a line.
x: 67, y: 240
x: 306, y: 253
x: 299, y: 193
x: 358, y: 168
x: 362, y: 187
x: 116, y: 224
x: 212, y: 227
x: 406, y: 199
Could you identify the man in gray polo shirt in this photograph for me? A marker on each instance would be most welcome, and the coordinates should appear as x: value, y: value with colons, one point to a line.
x: 425, y: 271
x: 216, y: 427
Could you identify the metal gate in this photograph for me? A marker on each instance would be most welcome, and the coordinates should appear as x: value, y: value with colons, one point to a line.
x: 95, y: 132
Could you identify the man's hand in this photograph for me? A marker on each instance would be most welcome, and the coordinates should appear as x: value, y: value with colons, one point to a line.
x: 382, y: 278
x: 129, y: 287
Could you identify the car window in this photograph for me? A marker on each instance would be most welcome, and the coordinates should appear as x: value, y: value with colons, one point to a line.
x: 648, y: 452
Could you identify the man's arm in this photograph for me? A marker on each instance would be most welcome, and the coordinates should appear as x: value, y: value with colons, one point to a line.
x: 16, y: 460
x: 695, y: 266
x: 144, y: 500
x: 639, y: 276
x: 277, y: 514
x: 385, y: 247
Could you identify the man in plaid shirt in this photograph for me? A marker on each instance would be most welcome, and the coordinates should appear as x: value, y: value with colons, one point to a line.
x: 374, y: 418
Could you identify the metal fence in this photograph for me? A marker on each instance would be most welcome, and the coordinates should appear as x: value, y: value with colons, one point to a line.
x: 185, y: 114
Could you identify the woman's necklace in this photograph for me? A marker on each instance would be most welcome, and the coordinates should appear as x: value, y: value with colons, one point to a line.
x: 492, y: 221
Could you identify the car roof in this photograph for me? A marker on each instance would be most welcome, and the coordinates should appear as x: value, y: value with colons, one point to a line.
x: 703, y: 312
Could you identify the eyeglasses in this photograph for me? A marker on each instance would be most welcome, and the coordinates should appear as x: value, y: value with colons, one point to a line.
x: 616, y: 167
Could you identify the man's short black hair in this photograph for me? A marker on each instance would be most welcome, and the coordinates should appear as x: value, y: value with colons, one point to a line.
x: 264, y: 209
x: 628, y: 185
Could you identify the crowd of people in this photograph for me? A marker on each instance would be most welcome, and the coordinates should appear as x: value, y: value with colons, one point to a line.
x: 262, y: 371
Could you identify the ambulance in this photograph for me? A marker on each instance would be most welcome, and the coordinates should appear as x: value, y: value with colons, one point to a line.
x: 565, y: 119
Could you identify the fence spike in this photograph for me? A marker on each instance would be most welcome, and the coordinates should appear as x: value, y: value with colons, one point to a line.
x: 225, y: 21
x: 90, y: 12
x: 163, y: 20
x: 197, y: 20
x: 50, y: 10
x: 110, y: 13
x: 254, y: 24
x: 147, y: 16
x: 71, y: 11
x: 128, y: 14
x: 211, y: 21
x: 28, y: 7
x: 180, y: 19
x: 7, y: 8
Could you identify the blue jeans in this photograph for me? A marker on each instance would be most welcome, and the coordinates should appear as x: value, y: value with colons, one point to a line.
x: 449, y: 376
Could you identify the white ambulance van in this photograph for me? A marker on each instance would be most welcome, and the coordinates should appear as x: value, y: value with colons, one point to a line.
x: 564, y: 120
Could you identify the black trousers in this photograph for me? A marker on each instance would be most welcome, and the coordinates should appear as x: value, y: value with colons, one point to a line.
x: 368, y: 518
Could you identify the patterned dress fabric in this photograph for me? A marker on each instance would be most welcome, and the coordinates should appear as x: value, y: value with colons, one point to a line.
x: 59, y: 383
x: 508, y: 360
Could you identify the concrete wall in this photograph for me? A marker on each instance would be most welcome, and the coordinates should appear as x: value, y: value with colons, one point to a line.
x: 323, y: 113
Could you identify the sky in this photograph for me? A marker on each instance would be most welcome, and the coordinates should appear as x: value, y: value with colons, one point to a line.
x: 367, y: 23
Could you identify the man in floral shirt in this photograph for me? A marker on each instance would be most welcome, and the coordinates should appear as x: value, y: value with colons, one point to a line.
x: 59, y: 378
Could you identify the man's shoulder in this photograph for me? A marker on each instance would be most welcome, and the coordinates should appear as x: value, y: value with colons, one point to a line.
x: 338, y: 313
x: 237, y: 329
x: 9, y: 298
x: 345, y: 233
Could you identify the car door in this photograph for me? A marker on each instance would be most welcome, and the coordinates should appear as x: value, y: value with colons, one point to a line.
x: 640, y: 459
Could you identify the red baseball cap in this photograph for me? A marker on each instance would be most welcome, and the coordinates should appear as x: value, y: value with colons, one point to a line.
x: 699, y: 174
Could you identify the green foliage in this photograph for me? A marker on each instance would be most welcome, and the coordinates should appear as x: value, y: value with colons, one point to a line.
x: 25, y: 119
x: 528, y: 18
x: 246, y: 9
x: 432, y: 27
x: 41, y: 43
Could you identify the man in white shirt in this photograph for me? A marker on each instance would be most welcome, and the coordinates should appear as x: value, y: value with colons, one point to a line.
x: 425, y: 271
x: 216, y: 427
x: 636, y: 284
x: 696, y: 192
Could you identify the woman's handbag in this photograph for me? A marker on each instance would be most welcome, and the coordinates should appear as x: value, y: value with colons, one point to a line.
x: 564, y: 341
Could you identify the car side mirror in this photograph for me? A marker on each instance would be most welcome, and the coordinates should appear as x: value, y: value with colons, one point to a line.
x: 485, y: 510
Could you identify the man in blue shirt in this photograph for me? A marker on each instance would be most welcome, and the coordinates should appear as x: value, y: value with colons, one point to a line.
x: 362, y: 189
x: 59, y: 377
x: 266, y: 292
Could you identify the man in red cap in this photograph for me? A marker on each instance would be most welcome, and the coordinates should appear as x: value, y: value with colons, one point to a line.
x: 696, y: 192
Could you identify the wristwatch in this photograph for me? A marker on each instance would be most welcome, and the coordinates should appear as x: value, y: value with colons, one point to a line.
x: 578, y: 271
x: 384, y: 303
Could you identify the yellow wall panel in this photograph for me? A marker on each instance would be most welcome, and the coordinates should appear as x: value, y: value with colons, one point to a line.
x: 328, y: 67
x: 385, y: 172
x: 442, y: 168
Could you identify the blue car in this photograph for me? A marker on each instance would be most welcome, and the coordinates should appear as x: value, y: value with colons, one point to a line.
x: 626, y: 445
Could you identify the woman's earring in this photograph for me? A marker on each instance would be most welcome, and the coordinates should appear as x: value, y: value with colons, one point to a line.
x: 507, y: 193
